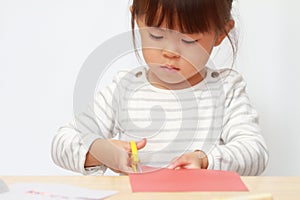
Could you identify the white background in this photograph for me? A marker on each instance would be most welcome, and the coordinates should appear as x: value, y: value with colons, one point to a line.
x: 44, y: 43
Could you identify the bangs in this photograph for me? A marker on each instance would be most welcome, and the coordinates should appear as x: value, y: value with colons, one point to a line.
x: 186, y: 16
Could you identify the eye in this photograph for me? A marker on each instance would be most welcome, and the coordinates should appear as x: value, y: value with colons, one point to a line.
x: 189, y: 41
x: 156, y: 37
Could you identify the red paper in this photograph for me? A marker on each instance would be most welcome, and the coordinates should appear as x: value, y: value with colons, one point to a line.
x: 186, y: 180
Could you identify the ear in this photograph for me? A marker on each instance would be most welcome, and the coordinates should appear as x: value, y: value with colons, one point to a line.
x: 228, y: 27
x: 131, y: 9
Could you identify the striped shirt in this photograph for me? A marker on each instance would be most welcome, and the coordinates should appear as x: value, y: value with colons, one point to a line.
x: 214, y: 116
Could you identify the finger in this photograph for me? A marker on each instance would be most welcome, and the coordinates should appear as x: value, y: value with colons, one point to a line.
x: 127, y: 146
x: 141, y: 144
x: 177, y: 163
x: 121, y: 144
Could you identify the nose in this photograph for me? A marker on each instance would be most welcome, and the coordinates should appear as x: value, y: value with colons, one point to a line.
x: 170, y: 48
x: 170, y: 54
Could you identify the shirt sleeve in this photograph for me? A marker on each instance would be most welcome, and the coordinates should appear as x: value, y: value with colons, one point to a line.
x: 242, y: 147
x: 72, y: 142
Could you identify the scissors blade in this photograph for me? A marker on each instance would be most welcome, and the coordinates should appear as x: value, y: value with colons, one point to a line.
x: 139, y: 168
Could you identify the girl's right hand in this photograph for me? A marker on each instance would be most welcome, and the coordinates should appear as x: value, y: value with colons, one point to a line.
x: 115, y: 154
x: 126, y: 146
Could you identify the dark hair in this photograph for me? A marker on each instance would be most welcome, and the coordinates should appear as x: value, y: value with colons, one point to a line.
x: 192, y: 16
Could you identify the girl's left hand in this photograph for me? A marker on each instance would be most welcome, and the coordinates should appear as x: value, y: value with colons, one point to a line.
x: 191, y: 160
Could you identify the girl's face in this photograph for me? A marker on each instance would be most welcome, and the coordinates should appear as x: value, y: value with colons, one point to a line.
x: 175, y: 60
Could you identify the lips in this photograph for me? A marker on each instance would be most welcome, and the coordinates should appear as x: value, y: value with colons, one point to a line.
x: 170, y: 68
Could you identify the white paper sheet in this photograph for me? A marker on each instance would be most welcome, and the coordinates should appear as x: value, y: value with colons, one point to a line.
x: 44, y: 191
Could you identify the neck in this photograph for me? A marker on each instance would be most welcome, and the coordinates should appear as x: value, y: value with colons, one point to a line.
x: 194, y: 80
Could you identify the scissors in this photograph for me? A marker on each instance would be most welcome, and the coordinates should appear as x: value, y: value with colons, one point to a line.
x: 135, y: 163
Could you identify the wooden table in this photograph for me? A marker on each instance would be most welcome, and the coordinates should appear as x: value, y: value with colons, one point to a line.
x: 280, y: 187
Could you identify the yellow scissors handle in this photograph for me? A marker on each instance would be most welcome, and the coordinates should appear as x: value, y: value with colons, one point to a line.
x: 134, y: 156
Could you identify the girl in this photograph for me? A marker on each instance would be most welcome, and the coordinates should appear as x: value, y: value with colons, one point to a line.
x: 199, y: 117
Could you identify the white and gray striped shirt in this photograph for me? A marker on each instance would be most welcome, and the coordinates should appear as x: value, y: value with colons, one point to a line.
x: 214, y: 116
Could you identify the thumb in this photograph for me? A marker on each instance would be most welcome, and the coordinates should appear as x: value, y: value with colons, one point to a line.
x: 177, y: 162
x: 141, y: 144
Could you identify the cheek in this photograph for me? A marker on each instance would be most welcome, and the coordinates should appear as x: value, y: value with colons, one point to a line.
x: 196, y: 58
x: 151, y: 55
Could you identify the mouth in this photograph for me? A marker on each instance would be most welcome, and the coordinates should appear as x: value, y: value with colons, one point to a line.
x: 170, y: 68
